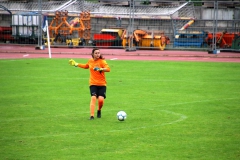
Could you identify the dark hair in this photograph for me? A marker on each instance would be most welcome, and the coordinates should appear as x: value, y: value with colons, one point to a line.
x: 94, y: 49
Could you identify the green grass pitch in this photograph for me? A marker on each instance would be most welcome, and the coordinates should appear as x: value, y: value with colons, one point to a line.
x: 176, y: 111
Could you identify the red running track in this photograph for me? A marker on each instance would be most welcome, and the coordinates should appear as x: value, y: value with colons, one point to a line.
x: 18, y: 51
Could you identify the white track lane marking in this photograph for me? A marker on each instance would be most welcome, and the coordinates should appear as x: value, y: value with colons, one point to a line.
x: 25, y: 55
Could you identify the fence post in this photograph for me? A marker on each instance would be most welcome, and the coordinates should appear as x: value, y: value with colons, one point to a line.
x: 131, y: 25
x: 214, y: 50
x: 40, y: 44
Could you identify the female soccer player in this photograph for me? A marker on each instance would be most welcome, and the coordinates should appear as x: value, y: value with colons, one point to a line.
x: 97, y: 81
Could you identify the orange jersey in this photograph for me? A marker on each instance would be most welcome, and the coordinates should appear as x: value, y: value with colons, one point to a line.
x: 96, y: 78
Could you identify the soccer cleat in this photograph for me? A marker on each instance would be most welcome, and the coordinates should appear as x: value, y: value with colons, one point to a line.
x: 91, y: 118
x: 99, y: 114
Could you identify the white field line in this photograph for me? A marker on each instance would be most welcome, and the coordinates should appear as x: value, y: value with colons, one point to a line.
x: 109, y: 78
x: 64, y: 115
x: 180, y: 117
x: 7, y: 60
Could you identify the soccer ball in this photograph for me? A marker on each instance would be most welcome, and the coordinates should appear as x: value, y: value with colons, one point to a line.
x: 121, y: 115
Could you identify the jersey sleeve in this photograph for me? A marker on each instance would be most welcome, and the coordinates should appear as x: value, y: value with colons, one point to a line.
x: 85, y: 66
x: 106, y: 66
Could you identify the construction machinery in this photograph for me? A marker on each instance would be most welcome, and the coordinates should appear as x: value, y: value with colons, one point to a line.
x: 146, y: 39
x: 223, y: 39
x: 186, y: 38
x: 6, y: 34
x: 74, y: 32
x: 141, y: 38
x: 108, y: 37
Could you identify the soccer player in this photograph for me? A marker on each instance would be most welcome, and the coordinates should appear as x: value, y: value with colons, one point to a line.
x: 97, y: 81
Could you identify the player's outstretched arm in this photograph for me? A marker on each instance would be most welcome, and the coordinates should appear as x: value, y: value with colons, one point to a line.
x: 73, y: 63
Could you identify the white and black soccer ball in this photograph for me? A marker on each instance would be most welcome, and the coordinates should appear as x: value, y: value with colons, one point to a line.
x: 121, y: 115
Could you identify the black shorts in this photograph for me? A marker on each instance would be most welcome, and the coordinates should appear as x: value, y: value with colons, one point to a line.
x: 98, y: 91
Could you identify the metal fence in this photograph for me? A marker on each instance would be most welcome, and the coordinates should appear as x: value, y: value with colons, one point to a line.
x: 132, y: 24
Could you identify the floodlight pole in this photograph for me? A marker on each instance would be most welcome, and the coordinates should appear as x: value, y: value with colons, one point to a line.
x: 131, y: 25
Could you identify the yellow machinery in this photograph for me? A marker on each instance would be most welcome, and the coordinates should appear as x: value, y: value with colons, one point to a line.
x: 143, y: 38
x: 62, y: 31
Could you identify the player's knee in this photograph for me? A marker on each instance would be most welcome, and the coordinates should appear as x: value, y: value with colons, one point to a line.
x: 94, y: 97
x: 100, y: 99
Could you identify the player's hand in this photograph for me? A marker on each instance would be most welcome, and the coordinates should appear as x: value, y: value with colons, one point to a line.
x: 98, y: 69
x: 73, y: 63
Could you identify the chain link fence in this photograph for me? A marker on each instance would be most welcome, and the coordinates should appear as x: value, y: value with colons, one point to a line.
x: 132, y: 24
